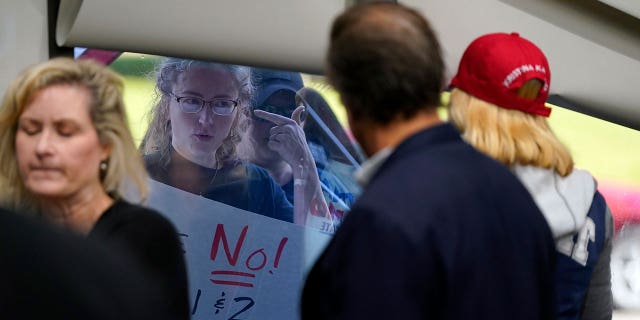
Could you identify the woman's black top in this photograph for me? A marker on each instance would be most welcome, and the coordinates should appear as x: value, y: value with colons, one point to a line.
x: 152, y: 240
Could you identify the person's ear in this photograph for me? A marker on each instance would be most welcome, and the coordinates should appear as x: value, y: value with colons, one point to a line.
x: 349, y: 114
x: 106, y: 151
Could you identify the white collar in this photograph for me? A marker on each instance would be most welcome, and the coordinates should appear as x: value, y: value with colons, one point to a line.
x: 369, y: 168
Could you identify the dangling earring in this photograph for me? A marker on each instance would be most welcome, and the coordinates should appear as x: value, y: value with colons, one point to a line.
x: 104, y: 165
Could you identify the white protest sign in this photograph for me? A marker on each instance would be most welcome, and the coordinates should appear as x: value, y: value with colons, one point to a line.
x: 241, y: 265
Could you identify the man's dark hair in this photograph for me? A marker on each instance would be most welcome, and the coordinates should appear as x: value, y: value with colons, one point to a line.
x: 385, y: 61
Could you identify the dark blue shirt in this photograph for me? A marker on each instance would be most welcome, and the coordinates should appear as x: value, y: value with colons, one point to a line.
x: 574, y: 273
x: 241, y: 185
x: 440, y: 232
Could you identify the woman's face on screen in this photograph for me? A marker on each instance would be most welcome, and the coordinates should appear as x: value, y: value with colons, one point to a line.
x: 197, y: 136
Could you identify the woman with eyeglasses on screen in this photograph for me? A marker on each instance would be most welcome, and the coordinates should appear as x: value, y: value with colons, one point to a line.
x: 195, y: 127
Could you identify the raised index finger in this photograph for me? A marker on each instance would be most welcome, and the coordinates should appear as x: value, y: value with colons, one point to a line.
x: 297, y: 114
x: 272, y: 117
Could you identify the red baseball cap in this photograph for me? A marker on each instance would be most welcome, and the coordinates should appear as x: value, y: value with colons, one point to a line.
x: 496, y: 65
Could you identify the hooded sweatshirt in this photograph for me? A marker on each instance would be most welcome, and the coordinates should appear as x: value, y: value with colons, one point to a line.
x: 581, y: 224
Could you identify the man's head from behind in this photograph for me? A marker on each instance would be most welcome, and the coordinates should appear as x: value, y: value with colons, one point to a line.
x: 385, y: 62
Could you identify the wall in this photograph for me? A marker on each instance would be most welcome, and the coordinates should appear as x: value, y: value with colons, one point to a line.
x: 23, y: 37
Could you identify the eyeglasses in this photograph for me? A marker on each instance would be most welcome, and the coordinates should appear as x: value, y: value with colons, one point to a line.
x: 219, y: 106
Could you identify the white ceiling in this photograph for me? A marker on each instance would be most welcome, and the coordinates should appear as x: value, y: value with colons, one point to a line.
x: 593, y: 46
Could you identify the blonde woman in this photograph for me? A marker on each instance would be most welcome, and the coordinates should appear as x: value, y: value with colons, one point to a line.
x: 67, y: 155
x: 498, y: 104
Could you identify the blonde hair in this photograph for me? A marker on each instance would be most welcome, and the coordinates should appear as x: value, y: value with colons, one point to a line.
x: 106, y: 110
x: 157, y: 139
x: 509, y: 136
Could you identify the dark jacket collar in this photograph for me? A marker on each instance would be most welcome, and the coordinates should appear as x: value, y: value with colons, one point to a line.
x: 426, y: 138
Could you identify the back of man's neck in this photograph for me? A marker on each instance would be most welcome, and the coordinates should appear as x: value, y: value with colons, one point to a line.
x: 393, y: 133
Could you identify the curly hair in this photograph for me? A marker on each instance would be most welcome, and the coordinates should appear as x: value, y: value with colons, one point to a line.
x: 157, y: 139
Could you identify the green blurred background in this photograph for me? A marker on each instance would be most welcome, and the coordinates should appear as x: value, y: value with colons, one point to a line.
x: 611, y: 152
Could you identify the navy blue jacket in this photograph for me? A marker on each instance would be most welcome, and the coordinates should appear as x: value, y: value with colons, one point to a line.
x: 573, y: 276
x: 440, y: 232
